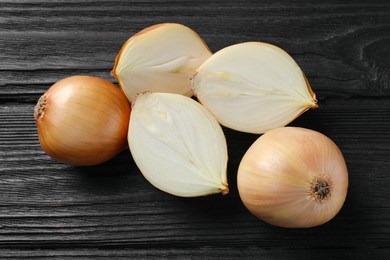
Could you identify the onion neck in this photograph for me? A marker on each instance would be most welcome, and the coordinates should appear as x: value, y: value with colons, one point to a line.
x: 39, y: 109
x: 225, y: 189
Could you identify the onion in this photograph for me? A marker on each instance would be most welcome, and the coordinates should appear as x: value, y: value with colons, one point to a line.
x: 160, y: 58
x: 178, y: 145
x: 82, y: 120
x: 293, y: 177
x: 253, y: 87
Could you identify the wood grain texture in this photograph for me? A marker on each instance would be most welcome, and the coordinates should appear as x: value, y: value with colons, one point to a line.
x: 52, y: 210
x: 342, y: 47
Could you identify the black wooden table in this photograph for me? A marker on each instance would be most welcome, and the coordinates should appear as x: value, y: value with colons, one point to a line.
x: 48, y: 209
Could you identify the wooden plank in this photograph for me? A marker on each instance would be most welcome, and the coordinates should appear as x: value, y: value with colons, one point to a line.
x: 207, y: 252
x: 45, y: 204
x: 42, y: 41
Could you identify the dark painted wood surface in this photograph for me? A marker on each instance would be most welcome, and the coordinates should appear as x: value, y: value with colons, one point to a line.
x: 52, y: 210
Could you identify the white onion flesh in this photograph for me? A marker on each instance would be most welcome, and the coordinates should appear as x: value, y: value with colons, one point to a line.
x: 160, y: 58
x: 253, y: 87
x: 178, y: 145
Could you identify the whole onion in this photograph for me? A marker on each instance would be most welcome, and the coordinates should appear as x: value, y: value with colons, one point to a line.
x: 82, y: 120
x: 293, y: 177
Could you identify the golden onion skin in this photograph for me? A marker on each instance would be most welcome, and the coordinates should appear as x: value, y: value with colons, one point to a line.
x: 82, y: 120
x: 293, y: 177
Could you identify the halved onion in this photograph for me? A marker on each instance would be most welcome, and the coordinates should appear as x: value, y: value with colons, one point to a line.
x: 253, y: 87
x: 178, y: 145
x: 160, y: 58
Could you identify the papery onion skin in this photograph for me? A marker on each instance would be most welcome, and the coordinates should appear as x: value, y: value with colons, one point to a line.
x: 160, y: 58
x: 82, y: 120
x: 293, y: 177
x: 253, y: 87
